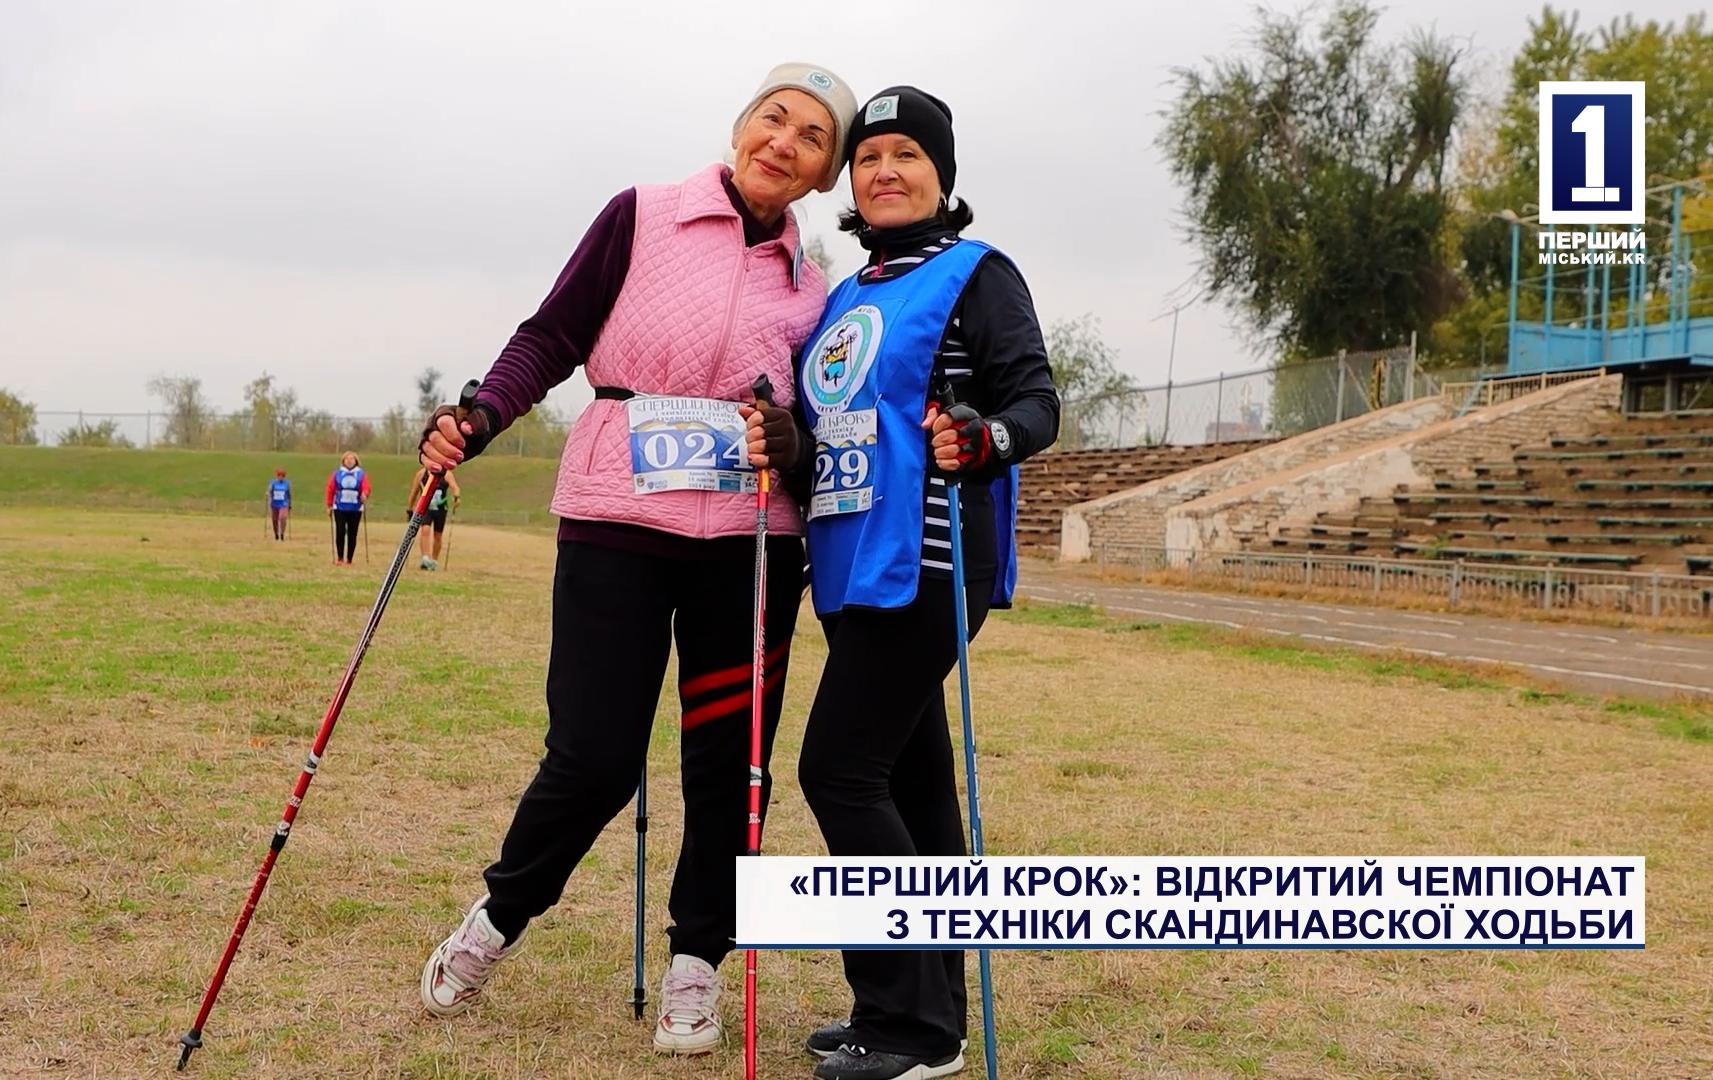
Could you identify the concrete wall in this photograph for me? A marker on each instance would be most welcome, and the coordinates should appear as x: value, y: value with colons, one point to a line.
x: 1230, y: 519
x: 1138, y: 515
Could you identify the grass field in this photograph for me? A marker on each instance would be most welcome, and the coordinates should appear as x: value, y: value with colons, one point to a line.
x: 161, y: 675
x: 504, y: 490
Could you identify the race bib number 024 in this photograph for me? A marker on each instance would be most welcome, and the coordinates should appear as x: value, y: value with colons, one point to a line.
x: 687, y: 444
x: 844, y: 463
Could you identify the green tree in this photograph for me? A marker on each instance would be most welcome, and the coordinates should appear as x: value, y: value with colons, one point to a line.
x: 105, y: 433
x: 17, y: 420
x: 319, y: 431
x: 189, y: 418
x: 1314, y: 178
x: 1098, y: 402
x: 273, y: 414
x: 1499, y: 168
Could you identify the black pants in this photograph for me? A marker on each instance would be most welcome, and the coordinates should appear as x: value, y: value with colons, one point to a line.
x: 878, y: 772
x: 616, y: 614
x: 345, y: 525
x: 278, y: 515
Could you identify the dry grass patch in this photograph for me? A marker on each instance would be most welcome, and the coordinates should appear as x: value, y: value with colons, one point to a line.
x: 157, y: 698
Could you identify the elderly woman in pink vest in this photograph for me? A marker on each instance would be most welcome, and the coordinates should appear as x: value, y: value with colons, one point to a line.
x: 677, y: 298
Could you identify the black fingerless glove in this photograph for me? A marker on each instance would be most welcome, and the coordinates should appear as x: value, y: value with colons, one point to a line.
x: 484, y: 425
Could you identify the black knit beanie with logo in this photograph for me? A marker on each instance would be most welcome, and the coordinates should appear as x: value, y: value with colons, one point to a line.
x: 906, y: 110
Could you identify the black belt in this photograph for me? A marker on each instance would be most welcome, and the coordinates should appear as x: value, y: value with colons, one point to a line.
x: 613, y: 393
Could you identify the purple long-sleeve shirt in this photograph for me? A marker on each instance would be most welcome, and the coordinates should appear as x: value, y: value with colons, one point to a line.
x: 552, y: 344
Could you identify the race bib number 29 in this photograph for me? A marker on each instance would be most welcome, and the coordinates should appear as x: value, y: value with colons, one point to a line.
x: 845, y: 448
x: 687, y: 444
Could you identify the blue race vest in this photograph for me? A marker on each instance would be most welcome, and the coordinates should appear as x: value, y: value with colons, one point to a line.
x: 279, y: 493
x: 863, y: 382
x: 348, y: 488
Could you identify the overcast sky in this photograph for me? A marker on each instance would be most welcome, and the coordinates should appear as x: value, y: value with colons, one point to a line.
x: 344, y: 192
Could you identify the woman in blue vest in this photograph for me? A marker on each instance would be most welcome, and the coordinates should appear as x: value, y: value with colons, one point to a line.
x: 875, y: 448
x: 279, y: 502
x: 347, y: 495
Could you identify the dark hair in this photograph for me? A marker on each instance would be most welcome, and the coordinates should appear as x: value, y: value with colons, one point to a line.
x: 957, y: 217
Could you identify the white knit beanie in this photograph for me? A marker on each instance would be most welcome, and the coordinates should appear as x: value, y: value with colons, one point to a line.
x: 823, y: 86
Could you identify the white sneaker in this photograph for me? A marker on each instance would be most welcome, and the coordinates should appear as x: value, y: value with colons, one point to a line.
x: 689, y: 1013
x: 459, y: 967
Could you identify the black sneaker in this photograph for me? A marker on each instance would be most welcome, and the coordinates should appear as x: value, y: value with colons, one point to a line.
x: 857, y: 1063
x: 827, y: 1038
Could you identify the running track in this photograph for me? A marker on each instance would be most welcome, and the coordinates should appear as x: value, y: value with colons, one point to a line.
x: 1590, y: 658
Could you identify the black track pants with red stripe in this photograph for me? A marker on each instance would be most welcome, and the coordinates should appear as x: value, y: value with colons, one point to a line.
x: 616, y: 615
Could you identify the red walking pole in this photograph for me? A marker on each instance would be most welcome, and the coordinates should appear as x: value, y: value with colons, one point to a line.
x: 763, y: 390
x: 192, y: 1039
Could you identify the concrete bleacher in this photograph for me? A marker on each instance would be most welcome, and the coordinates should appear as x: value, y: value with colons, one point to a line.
x: 1058, y: 479
x: 1635, y: 494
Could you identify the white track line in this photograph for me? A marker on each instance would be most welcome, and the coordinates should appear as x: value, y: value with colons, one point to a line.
x: 1386, y: 647
x: 1400, y: 630
x: 1430, y: 618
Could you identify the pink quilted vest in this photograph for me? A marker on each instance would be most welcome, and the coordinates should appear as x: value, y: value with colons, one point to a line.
x: 699, y: 314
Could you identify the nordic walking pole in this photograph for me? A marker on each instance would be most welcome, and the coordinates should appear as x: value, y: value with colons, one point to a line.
x: 961, y: 607
x: 192, y: 1039
x: 763, y: 391
x: 364, y: 511
x: 451, y: 520
x: 637, y: 998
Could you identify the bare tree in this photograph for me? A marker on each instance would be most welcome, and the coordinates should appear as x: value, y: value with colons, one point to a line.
x: 429, y: 394
x: 188, y: 414
x: 1093, y: 392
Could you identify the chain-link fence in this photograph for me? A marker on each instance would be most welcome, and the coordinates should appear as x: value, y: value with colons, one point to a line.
x: 1268, y: 403
x: 538, y: 434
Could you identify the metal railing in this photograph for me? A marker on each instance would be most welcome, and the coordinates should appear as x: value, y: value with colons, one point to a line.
x: 1483, y: 393
x: 1456, y: 583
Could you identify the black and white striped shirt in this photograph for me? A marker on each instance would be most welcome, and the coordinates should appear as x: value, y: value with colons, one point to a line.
x: 999, y: 366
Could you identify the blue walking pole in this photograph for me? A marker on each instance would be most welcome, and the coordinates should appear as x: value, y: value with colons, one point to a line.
x: 637, y: 1000
x: 960, y: 605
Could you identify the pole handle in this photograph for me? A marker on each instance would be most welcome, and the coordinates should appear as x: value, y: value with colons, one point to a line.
x: 762, y: 390
x: 467, y: 398
x: 466, y: 402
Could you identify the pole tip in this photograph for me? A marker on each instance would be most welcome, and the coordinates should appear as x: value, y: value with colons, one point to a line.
x: 190, y: 1040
